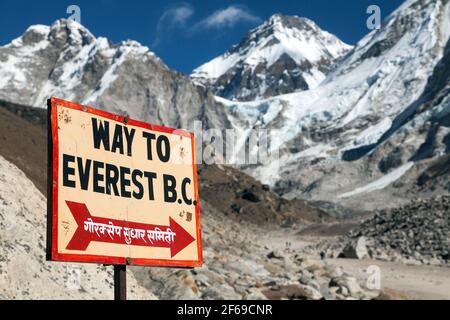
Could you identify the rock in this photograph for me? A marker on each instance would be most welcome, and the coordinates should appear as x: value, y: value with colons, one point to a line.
x: 248, y: 267
x: 293, y: 291
x: 311, y: 293
x: 343, y: 290
x: 327, y: 293
x: 310, y: 264
x: 221, y: 292
x: 189, y: 281
x: 206, y: 275
x: 349, y: 283
x: 249, y: 195
x: 356, y: 250
x: 333, y: 290
x: 276, y: 254
x: 255, y: 294
x: 306, y: 277
x: 310, y: 282
x: 333, y: 271
x: 273, y: 268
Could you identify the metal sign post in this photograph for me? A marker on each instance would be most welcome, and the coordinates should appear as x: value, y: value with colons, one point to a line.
x: 120, y: 282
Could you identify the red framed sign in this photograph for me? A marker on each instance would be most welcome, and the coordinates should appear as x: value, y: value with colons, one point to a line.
x: 120, y: 191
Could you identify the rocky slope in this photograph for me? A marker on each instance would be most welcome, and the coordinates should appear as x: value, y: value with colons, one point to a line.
x: 283, y: 55
x: 417, y: 233
x: 24, y: 273
x: 247, y: 262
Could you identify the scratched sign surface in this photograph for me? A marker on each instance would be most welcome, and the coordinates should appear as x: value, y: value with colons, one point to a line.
x: 121, y: 191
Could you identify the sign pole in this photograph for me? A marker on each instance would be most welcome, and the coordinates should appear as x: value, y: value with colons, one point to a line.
x: 120, y: 282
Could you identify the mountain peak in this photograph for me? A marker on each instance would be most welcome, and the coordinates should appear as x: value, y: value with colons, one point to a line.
x: 276, y: 19
x: 284, y: 54
x: 38, y: 28
x: 65, y: 30
x: 279, y: 19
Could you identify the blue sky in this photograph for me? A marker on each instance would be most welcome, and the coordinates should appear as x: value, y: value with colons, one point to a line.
x: 187, y: 34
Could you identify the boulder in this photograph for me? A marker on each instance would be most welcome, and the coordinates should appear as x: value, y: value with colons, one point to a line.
x: 220, y: 292
x: 292, y: 292
x: 355, y: 250
x: 350, y: 284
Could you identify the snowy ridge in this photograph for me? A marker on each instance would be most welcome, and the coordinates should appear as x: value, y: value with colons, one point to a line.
x: 67, y: 61
x: 300, y: 45
x: 297, y: 44
x: 344, y: 99
x: 75, y: 50
x: 380, y: 183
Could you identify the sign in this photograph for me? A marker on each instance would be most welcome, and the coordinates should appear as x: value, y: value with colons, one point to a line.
x: 120, y: 191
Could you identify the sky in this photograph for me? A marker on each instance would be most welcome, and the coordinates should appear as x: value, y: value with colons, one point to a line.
x: 188, y: 34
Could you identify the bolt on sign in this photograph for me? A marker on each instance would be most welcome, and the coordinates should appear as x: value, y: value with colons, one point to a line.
x: 120, y: 191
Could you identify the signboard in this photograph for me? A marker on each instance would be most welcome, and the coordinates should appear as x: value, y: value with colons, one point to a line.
x: 120, y: 191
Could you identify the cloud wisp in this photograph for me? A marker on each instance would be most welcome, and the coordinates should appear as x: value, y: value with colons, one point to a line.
x: 177, y: 16
x: 173, y: 18
x: 227, y: 18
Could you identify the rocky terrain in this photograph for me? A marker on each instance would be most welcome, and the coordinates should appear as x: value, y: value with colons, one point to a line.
x: 244, y: 261
x: 246, y: 200
x: 417, y: 233
x: 250, y: 244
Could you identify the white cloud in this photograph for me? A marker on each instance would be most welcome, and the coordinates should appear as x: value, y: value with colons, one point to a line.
x: 227, y: 18
x: 173, y: 18
x: 177, y: 16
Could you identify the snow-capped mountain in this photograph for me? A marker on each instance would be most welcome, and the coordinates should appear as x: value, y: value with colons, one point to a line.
x: 283, y: 55
x: 374, y: 125
x: 67, y: 61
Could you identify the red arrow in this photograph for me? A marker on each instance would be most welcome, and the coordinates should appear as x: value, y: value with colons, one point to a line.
x: 100, y: 229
